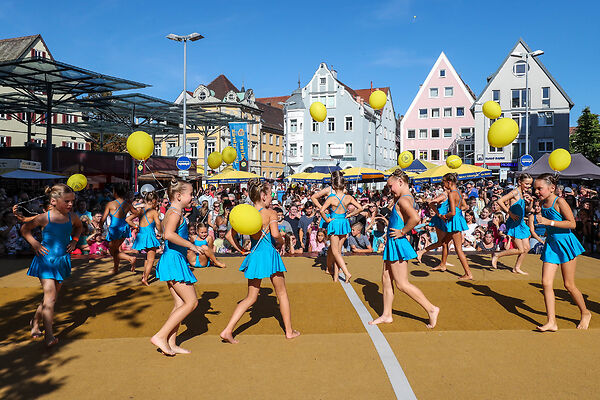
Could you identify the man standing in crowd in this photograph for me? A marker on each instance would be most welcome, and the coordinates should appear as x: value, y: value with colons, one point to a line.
x: 208, y: 198
x: 293, y: 218
x: 305, y: 220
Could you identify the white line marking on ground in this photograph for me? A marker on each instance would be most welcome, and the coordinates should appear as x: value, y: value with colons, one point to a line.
x: 388, y: 358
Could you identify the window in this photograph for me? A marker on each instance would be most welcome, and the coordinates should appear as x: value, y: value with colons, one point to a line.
x: 442, y: 73
x: 495, y: 149
x: 277, y: 140
x: 446, y: 153
x: 546, y: 97
x: 293, y: 149
x: 293, y: 125
x: 422, y: 113
x: 322, y: 81
x: 545, y: 145
x: 519, y: 98
x: 171, y: 144
x: 369, y: 148
x: 413, y: 152
x: 202, y: 96
x: 448, y: 91
x: 349, y: 149
x: 329, y: 148
x: 70, y: 119
x: 460, y: 111
x: 435, y: 133
x: 300, y: 129
x: 435, y: 113
x: 315, y: 149
x: 348, y: 125
x: 447, y: 112
x: 422, y: 154
x: 264, y: 138
x: 465, y: 132
x: 330, y: 124
x: 264, y: 156
x: 315, y: 126
x: 496, y: 96
x: 193, y: 149
x: 411, y: 134
x: 211, y: 146
x: 447, y: 132
x: 519, y: 118
x: 546, y: 118
x: 271, y: 139
x: 518, y: 149
x: 270, y: 156
x: 435, y: 155
x: 422, y: 133
x: 330, y: 102
x: 519, y: 68
x: 157, y: 149
x: 433, y: 92
x: 254, y: 150
x: 4, y: 141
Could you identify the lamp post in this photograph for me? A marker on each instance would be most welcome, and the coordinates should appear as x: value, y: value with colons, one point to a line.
x: 285, y: 142
x: 192, y: 37
x: 527, y: 55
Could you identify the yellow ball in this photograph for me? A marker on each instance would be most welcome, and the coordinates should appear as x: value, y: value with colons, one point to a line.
x: 491, y: 109
x: 503, y: 132
x: 318, y: 112
x: 405, y: 159
x: 377, y: 99
x: 229, y: 154
x: 559, y: 159
x: 453, y: 162
x: 77, y: 182
x: 245, y: 219
x: 214, y: 160
x: 140, y: 145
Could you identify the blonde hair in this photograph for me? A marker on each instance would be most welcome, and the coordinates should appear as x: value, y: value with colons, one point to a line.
x: 175, y: 187
x: 399, y: 174
x: 256, y: 187
x: 450, y: 177
x: 57, y: 191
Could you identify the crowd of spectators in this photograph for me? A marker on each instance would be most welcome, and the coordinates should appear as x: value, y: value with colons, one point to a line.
x: 299, y: 220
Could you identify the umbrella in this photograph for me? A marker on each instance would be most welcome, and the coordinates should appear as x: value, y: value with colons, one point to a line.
x: 316, y: 177
x: 230, y: 175
x: 390, y: 171
x: 465, y: 171
x: 299, y: 177
x: 13, y: 173
x: 360, y: 173
x: 419, y: 166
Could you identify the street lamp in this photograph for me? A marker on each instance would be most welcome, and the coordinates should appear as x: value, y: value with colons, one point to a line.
x: 285, y: 104
x: 192, y: 37
x: 526, y: 55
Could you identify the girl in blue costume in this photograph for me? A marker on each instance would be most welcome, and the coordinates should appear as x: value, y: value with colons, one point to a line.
x: 118, y: 230
x: 323, y: 224
x: 263, y: 261
x: 206, y: 243
x: 338, y: 226
x: 455, y: 224
x: 173, y: 267
x: 439, y: 205
x: 398, y: 251
x: 52, y: 262
x: 561, y: 249
x: 146, y: 237
x: 516, y: 224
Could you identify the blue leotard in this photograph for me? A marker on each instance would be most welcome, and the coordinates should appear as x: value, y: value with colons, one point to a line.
x: 458, y: 222
x: 323, y: 223
x: 200, y: 243
x: 339, y: 225
x: 397, y: 249
x: 146, y: 237
x: 118, y: 228
x: 438, y: 222
x: 518, y: 228
x: 57, y: 263
x: 173, y: 265
x: 561, y: 244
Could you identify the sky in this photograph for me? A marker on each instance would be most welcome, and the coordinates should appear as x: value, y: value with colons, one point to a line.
x: 267, y: 45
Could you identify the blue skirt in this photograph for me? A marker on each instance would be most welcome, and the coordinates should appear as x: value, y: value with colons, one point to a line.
x: 323, y: 224
x: 398, y: 250
x: 457, y: 223
x: 49, y: 267
x: 173, y: 266
x: 198, y: 265
x: 263, y: 262
x: 517, y: 229
x: 145, y: 239
x: 560, y: 248
x: 118, y: 232
x: 438, y: 223
x: 338, y: 226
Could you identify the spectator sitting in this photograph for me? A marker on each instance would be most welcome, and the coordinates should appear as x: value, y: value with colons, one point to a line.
x: 289, y: 247
x: 538, y: 231
x: 488, y: 243
x: 498, y: 228
x: 319, y: 244
x: 98, y: 245
x: 484, y: 217
x: 358, y: 242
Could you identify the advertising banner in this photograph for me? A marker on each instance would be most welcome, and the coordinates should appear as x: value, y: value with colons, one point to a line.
x: 239, y: 141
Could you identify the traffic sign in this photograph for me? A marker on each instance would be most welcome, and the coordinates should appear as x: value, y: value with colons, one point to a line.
x: 184, y: 163
x: 526, y: 160
x: 183, y: 173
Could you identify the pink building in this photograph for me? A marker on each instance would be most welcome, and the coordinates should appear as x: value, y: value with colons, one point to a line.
x: 439, y: 115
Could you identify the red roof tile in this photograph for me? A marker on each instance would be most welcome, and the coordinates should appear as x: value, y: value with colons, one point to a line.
x: 221, y: 86
x: 273, y: 101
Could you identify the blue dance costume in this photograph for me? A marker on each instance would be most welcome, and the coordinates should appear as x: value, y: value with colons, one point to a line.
x: 57, y: 263
x: 264, y: 260
x: 397, y: 249
x: 561, y: 244
x: 339, y: 225
x: 200, y: 243
x: 173, y: 265
x: 118, y: 228
x: 146, y: 237
x: 438, y: 222
x: 458, y: 222
x: 518, y: 228
x: 323, y: 223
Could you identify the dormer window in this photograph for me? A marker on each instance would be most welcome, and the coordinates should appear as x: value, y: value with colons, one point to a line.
x: 442, y: 73
x: 322, y: 81
x: 231, y: 97
x: 202, y: 96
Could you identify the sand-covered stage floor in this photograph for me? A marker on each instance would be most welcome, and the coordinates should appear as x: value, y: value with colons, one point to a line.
x: 484, y: 345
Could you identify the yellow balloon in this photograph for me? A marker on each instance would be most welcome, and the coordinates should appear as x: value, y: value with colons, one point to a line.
x: 377, y: 99
x: 77, y: 182
x: 559, y: 159
x: 453, y: 162
x: 318, y: 112
x: 229, y: 154
x: 503, y: 132
x: 405, y: 159
x: 140, y: 145
x: 214, y: 160
x: 245, y: 219
x: 491, y: 109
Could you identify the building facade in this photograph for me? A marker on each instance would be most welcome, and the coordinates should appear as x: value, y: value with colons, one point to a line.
x: 29, y: 128
x: 439, y: 116
x: 549, y: 109
x: 366, y: 136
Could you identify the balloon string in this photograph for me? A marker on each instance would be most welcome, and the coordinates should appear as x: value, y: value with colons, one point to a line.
x: 154, y: 176
x: 30, y: 200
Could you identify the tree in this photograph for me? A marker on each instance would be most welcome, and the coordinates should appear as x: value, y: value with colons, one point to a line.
x: 586, y: 138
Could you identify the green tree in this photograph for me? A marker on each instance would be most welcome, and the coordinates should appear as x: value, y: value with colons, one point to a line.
x: 586, y: 138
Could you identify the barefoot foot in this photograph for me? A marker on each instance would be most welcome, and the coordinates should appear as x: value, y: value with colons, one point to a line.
x: 585, y: 320
x: 51, y: 342
x: 519, y: 271
x: 381, y: 320
x: 494, y: 261
x: 292, y: 335
x: 162, y: 345
x: 145, y: 281
x: 420, y: 255
x: 439, y: 268
x: 549, y: 327
x: 35, y: 329
x: 433, y: 316
x: 465, y: 277
x: 228, y: 337
x: 449, y: 265
x: 220, y: 264
x: 348, y: 278
x: 180, y: 350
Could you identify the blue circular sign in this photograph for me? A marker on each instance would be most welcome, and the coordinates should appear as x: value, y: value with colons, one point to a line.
x: 184, y: 163
x: 526, y: 160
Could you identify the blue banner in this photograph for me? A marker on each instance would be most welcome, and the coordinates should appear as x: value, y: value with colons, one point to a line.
x: 239, y: 141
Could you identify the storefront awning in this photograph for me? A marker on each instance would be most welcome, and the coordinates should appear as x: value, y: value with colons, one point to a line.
x: 25, y: 174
